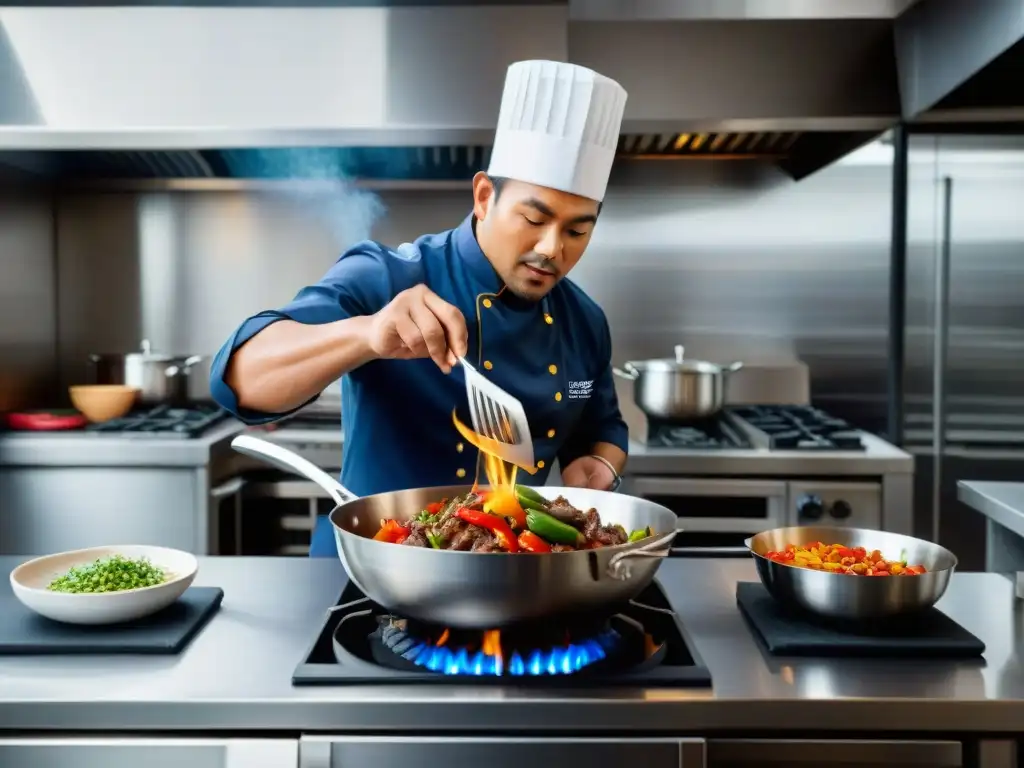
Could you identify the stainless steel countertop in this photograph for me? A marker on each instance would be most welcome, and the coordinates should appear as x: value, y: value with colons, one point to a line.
x: 88, y: 449
x: 880, y: 458
x: 1001, y: 502
x: 236, y: 675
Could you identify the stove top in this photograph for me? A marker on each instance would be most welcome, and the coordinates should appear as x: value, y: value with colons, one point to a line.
x: 704, y: 434
x: 770, y: 427
x: 164, y: 421
x: 639, y: 643
x: 800, y: 428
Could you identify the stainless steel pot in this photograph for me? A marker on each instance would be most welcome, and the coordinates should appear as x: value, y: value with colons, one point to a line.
x: 474, y: 589
x: 679, y: 388
x: 837, y: 596
x: 160, y: 378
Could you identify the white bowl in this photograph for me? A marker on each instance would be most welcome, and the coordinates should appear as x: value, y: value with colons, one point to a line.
x: 29, y: 581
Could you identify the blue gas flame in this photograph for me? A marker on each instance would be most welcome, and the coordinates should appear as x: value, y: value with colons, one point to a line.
x: 554, y: 661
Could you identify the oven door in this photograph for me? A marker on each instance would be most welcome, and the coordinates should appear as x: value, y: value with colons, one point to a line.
x: 715, y: 515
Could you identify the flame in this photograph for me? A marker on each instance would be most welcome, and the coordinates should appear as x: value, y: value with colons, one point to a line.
x: 650, y: 647
x: 499, y: 473
x: 492, y: 647
x: 488, y: 658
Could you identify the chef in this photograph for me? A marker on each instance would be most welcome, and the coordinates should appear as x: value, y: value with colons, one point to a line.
x: 390, y: 322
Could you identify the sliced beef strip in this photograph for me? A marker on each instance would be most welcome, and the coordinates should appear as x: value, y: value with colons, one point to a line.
x: 417, y: 536
x: 486, y: 543
x: 562, y: 548
x: 450, y: 528
x: 608, y: 535
x: 611, y: 535
x: 561, y: 508
x: 466, y: 539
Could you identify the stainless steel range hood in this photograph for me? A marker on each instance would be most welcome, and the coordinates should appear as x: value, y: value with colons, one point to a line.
x: 413, y: 92
x: 962, y: 63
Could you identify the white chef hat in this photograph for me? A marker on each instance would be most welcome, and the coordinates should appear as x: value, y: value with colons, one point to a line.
x: 558, y: 127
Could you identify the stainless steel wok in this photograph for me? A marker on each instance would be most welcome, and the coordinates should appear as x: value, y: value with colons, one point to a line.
x: 837, y: 596
x: 473, y: 589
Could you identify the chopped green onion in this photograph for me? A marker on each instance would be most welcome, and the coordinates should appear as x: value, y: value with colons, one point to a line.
x: 110, y: 574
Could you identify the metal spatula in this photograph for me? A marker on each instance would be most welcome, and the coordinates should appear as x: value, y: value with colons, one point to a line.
x: 499, y: 416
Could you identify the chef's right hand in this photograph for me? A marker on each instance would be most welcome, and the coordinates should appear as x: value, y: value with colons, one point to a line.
x: 419, y: 323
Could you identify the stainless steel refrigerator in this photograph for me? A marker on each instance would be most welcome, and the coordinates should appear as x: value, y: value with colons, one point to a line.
x: 964, y: 374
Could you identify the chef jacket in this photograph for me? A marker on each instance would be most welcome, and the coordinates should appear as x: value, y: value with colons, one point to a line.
x: 553, y: 355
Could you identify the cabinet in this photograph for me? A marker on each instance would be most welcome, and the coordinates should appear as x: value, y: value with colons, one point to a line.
x: 101, y: 752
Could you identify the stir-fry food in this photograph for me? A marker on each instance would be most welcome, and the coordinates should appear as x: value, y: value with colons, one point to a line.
x: 838, y: 558
x: 506, y: 520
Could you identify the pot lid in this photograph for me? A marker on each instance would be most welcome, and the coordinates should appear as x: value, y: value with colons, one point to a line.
x: 147, y: 354
x: 681, y: 364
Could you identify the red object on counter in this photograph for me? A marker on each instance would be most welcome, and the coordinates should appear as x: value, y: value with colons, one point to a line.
x: 46, y: 421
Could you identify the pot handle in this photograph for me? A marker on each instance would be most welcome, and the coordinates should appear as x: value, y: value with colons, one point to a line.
x: 184, y: 369
x: 282, y: 458
x: 620, y: 570
x: 732, y: 367
x: 627, y: 371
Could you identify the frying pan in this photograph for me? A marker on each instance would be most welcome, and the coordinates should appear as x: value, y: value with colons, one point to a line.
x: 854, y: 598
x: 479, y: 590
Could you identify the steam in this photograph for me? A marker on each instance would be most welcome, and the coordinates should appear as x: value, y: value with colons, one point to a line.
x: 344, y: 210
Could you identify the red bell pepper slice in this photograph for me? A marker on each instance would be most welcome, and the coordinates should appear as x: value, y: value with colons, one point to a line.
x: 392, y: 532
x: 531, y: 542
x: 434, y: 507
x: 494, y: 524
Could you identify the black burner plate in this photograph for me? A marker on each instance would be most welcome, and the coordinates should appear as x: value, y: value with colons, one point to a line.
x: 697, y: 434
x: 352, y: 648
x: 800, y: 428
x: 164, y: 421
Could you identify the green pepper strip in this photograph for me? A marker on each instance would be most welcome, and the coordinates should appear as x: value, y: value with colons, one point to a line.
x: 529, y: 499
x: 551, y: 529
x: 639, y: 534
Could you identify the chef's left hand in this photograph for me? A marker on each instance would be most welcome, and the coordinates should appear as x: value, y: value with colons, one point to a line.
x: 588, y: 472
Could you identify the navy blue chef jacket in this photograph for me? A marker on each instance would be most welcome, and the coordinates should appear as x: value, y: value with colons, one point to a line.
x: 554, y: 355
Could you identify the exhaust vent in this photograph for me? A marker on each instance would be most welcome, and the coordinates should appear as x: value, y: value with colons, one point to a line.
x: 767, y: 145
x: 363, y: 93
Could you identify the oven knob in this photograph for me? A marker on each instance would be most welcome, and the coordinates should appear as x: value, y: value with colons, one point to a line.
x: 810, y: 506
x: 841, y: 509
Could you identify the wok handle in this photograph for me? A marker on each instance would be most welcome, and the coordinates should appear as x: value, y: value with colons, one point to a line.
x: 282, y: 458
x: 618, y: 567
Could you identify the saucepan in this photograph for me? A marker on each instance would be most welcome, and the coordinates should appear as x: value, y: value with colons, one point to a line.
x: 837, y: 596
x: 160, y: 378
x: 677, y: 388
x: 473, y: 589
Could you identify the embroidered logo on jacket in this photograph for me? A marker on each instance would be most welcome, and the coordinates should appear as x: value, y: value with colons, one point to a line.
x: 581, y: 389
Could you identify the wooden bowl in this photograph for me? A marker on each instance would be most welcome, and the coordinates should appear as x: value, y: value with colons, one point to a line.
x: 102, y: 402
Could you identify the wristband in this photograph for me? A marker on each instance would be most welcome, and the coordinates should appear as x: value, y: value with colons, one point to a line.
x: 616, y: 480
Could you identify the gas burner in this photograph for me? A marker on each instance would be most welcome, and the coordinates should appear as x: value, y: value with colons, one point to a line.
x: 639, y: 643
x: 532, y: 650
x: 699, y: 434
x: 164, y: 421
x: 800, y: 428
